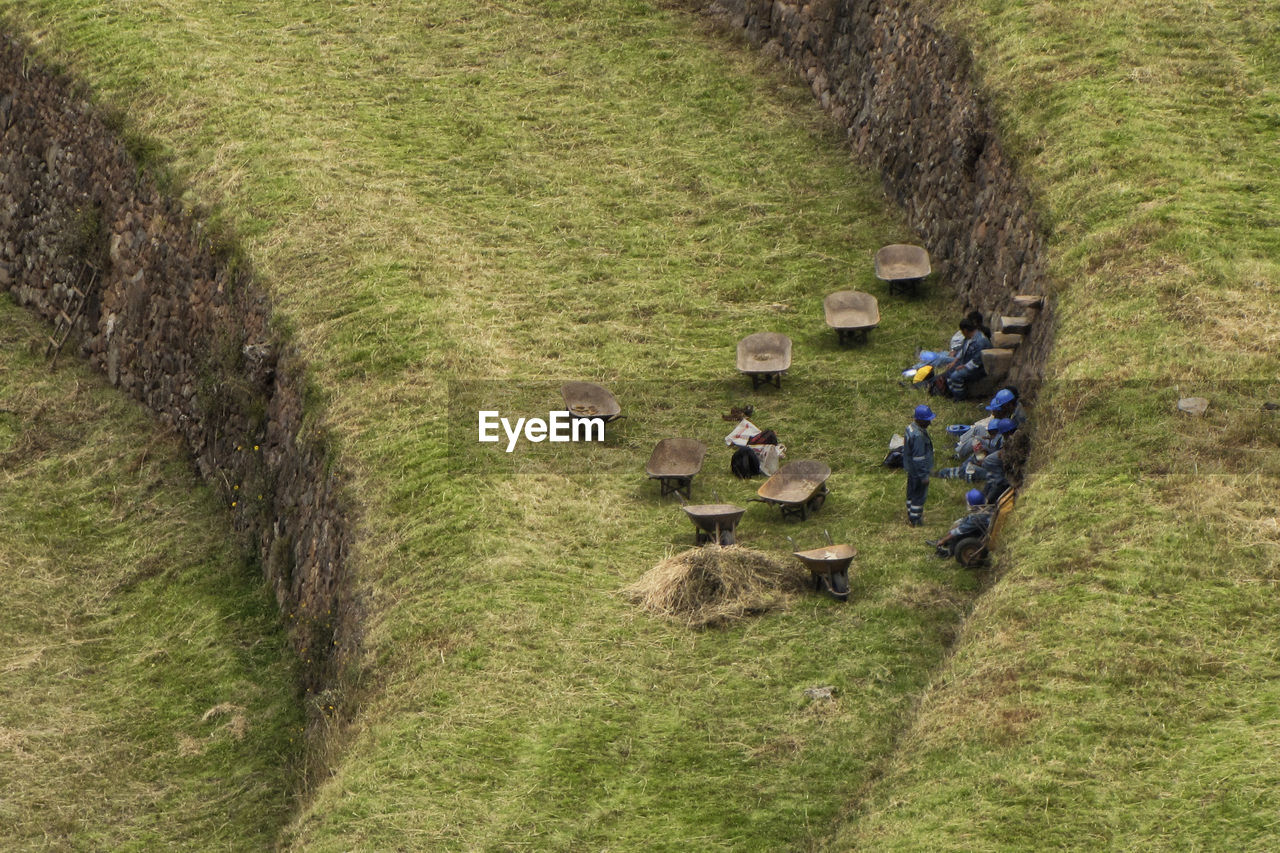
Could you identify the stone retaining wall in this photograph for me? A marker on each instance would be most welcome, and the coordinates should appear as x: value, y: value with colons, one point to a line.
x: 902, y: 90
x: 180, y: 329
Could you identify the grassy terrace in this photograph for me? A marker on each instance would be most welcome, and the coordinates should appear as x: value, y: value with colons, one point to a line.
x: 459, y: 205
x: 1118, y: 688
x: 460, y: 202
x: 145, y: 685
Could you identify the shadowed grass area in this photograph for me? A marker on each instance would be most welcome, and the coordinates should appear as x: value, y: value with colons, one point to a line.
x: 146, y: 696
x: 1116, y: 688
x: 459, y: 206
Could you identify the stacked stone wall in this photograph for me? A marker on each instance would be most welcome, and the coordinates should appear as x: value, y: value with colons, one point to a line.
x: 903, y: 91
x: 172, y: 323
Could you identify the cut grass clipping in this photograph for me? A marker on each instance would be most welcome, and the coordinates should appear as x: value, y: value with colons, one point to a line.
x: 712, y: 586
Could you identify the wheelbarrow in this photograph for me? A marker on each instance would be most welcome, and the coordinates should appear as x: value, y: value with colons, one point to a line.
x: 903, y: 266
x: 798, y: 488
x: 764, y: 356
x: 673, y: 463
x: 829, y: 566
x: 588, y: 400
x: 852, y: 314
x: 714, y: 522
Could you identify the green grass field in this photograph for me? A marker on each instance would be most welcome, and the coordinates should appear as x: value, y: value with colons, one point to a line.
x: 147, y: 696
x: 458, y: 203
x: 461, y: 207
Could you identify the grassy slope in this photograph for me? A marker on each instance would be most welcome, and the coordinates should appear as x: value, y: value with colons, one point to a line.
x: 145, y: 697
x: 455, y: 202
x: 1118, y: 687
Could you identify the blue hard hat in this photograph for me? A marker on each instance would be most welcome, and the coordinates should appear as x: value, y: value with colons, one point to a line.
x: 958, y: 429
x: 1003, y: 397
x: 924, y: 413
x: 1002, y: 425
x: 974, y: 497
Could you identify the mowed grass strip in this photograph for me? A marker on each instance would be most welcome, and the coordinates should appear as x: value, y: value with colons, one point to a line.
x: 458, y: 207
x: 1116, y: 689
x: 146, y: 696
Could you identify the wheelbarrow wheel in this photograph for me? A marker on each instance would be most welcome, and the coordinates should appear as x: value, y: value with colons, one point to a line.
x: 838, y: 585
x: 970, y: 552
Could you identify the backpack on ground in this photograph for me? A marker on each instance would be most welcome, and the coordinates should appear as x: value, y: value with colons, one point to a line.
x: 745, y: 464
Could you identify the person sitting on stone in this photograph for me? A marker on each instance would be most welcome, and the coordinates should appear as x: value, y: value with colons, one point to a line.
x: 939, y: 360
x: 975, y: 523
x: 967, y: 366
x: 957, y: 340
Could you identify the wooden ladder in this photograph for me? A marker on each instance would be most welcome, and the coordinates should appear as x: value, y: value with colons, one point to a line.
x: 77, y: 296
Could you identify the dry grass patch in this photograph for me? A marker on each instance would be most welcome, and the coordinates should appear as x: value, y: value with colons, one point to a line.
x: 712, y: 586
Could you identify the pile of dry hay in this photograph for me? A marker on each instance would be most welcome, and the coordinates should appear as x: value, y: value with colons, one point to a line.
x: 709, y: 586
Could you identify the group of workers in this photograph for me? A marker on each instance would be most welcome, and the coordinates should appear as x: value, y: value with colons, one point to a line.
x: 979, y: 448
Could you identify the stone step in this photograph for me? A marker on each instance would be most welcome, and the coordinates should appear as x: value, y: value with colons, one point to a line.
x: 1005, y: 340
x: 1028, y: 301
x: 997, y: 361
x: 1015, y: 325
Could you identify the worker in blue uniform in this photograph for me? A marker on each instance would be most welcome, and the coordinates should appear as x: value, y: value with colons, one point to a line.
x: 1005, y: 404
x: 975, y: 523
x: 917, y: 461
x: 979, y: 465
x: 967, y: 366
x: 993, y: 464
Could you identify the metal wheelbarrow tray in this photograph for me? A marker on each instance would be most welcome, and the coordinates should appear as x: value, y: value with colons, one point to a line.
x: 588, y: 400
x: 829, y: 567
x: 852, y: 314
x: 798, y: 488
x: 673, y: 463
x: 903, y: 266
x: 764, y: 356
x: 714, y: 522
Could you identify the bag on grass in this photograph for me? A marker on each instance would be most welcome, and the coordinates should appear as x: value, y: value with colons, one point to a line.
x: 894, y: 459
x: 770, y: 456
